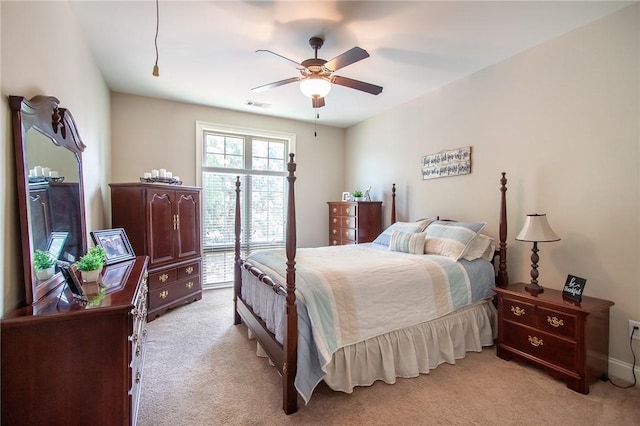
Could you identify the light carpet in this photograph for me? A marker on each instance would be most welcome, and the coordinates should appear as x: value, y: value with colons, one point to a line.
x: 200, y: 369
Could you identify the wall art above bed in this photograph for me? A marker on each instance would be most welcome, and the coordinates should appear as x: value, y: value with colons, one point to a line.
x: 450, y: 162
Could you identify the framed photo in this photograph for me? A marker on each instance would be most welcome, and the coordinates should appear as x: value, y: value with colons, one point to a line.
x: 346, y: 196
x: 56, y: 244
x: 115, y: 243
x: 115, y: 276
x: 70, y: 274
x: 573, y: 288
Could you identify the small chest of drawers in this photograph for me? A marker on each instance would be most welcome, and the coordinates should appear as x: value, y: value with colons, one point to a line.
x: 353, y: 222
x: 569, y: 339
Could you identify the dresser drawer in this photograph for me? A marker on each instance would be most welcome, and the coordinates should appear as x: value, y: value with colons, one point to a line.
x: 162, y: 278
x: 189, y: 270
x: 556, y: 322
x: 169, y: 293
x: 519, y: 311
x: 541, y: 345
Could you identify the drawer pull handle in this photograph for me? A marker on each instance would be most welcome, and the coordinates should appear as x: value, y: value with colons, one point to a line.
x: 334, y: 242
x: 334, y: 231
x: 138, y: 377
x: 517, y: 311
x: 335, y: 210
x: 535, y: 341
x: 335, y: 220
x: 189, y: 285
x: 189, y: 270
x: 163, y: 277
x: 164, y: 294
x: 555, y: 322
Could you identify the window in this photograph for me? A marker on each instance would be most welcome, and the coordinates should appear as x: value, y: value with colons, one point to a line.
x: 260, y: 159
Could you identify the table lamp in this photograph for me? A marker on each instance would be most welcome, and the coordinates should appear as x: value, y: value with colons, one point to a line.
x: 536, y: 229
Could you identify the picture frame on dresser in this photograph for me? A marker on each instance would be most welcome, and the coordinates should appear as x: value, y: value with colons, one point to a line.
x: 115, y: 243
x: 69, y: 272
x: 346, y: 196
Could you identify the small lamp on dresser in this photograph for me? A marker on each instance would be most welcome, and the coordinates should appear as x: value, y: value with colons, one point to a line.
x: 536, y: 229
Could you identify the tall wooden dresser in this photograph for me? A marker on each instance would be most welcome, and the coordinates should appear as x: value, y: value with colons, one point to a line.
x: 353, y: 222
x: 67, y: 363
x: 163, y: 222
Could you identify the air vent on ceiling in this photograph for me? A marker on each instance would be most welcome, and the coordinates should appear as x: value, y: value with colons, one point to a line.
x: 257, y: 104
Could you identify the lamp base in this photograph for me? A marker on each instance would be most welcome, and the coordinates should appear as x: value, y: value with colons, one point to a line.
x: 534, y: 288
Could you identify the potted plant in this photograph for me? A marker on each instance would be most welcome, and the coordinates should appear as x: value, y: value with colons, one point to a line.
x: 91, y: 263
x: 357, y: 195
x: 43, y: 264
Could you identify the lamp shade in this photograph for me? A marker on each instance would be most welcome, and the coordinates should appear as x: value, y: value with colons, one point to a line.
x: 536, y: 229
x: 315, y: 86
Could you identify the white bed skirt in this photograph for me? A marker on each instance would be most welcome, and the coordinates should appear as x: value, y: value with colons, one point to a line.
x: 414, y: 350
x: 404, y: 353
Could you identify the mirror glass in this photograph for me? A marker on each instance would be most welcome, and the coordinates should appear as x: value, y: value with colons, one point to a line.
x: 50, y: 190
x: 53, y: 203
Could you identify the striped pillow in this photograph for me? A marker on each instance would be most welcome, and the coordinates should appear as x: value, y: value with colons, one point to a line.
x: 385, y: 237
x: 407, y: 242
x: 451, y: 238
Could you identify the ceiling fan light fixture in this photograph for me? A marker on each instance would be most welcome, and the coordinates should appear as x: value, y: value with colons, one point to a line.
x: 315, y: 87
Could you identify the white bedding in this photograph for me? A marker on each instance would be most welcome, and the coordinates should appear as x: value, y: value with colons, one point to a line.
x: 386, y: 310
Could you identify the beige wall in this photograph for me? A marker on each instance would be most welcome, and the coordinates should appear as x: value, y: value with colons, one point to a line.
x: 152, y: 134
x: 44, y: 53
x: 562, y: 120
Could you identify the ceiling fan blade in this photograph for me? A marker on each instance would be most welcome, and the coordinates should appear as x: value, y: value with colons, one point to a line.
x: 277, y: 54
x: 275, y: 84
x: 356, y: 84
x: 347, y: 58
x: 317, y: 102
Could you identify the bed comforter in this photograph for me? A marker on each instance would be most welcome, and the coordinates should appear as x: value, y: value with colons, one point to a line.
x: 354, y: 293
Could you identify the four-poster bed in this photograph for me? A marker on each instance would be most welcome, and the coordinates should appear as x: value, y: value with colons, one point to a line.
x: 320, y: 327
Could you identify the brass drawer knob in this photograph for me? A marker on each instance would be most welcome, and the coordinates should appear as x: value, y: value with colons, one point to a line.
x: 189, y: 270
x: 164, y: 294
x: 517, y: 311
x: 335, y: 220
x: 335, y: 210
x: 555, y: 322
x: 348, y: 210
x: 189, y: 285
x: 163, y: 277
x: 535, y: 341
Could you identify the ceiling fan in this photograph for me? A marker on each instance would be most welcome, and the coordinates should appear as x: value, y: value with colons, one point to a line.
x: 316, y: 75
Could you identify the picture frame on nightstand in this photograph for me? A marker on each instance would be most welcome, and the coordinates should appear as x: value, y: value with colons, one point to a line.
x: 573, y: 288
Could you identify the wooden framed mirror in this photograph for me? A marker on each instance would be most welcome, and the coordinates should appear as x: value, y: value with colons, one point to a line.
x: 48, y: 152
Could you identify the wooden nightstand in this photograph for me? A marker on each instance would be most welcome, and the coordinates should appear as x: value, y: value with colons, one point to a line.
x: 569, y: 339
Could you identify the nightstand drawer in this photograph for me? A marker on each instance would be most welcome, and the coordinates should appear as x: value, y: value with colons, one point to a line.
x: 519, y: 311
x: 541, y: 345
x: 556, y: 322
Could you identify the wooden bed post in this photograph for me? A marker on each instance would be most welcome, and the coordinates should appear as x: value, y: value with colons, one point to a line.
x: 393, y: 203
x: 290, y: 367
x: 503, y: 278
x: 237, y: 278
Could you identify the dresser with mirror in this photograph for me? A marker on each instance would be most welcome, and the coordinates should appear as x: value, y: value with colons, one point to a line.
x: 66, y: 360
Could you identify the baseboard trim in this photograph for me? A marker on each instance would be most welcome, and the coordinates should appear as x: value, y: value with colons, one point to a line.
x: 622, y: 370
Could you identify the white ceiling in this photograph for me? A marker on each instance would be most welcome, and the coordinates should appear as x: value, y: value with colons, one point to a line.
x: 207, y: 48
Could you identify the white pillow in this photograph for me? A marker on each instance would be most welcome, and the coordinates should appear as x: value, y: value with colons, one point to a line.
x: 481, y: 247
